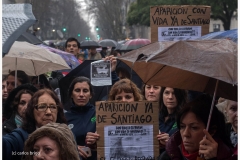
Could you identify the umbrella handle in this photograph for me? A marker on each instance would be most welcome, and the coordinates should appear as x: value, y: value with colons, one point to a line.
x: 211, y: 109
x: 16, y: 73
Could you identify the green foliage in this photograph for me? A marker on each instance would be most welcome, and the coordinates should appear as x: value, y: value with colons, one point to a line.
x: 139, y: 12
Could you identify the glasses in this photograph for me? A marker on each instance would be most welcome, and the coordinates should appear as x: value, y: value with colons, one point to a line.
x: 42, y: 107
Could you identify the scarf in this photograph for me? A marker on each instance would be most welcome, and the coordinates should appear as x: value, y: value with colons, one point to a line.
x: 233, y: 137
x: 18, y: 120
x: 188, y: 156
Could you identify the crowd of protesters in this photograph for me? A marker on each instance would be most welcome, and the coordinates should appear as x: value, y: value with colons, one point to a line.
x: 33, y: 116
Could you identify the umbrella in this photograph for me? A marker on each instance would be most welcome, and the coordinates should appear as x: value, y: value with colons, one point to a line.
x: 89, y: 43
x: 123, y: 41
x: 191, y: 65
x: 31, y: 59
x: 119, y: 46
x: 30, y: 38
x: 108, y: 43
x: 84, y: 70
x: 230, y: 34
x: 16, y: 19
x: 60, y: 43
x: 69, y: 58
x: 134, y: 44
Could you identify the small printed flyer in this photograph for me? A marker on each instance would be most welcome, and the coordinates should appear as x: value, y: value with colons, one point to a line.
x: 101, y: 73
x: 179, y: 33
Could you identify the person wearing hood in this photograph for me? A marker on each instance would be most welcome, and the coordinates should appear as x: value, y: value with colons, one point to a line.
x: 15, y: 107
x: 49, y: 142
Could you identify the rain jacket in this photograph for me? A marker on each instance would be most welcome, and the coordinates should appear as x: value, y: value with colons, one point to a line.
x: 174, y: 152
x: 13, y: 144
x: 82, y: 120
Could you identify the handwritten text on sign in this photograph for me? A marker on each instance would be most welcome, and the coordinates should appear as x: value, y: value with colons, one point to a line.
x: 186, y: 15
x: 125, y: 113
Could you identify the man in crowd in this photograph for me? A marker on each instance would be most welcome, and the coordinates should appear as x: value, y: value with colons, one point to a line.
x: 72, y: 46
x: 93, y: 54
x: 103, y: 52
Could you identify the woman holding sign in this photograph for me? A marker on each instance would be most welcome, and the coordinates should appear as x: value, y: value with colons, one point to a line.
x: 171, y: 100
x: 124, y: 90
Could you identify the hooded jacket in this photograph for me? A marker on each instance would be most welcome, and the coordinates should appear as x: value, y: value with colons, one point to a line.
x: 82, y: 120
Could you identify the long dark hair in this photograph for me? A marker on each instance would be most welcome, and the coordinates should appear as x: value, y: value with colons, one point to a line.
x: 80, y: 80
x: 201, y: 108
x: 29, y: 122
x: 17, y: 98
x: 181, y: 100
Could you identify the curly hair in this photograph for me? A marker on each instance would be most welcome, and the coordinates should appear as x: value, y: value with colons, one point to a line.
x: 17, y: 98
x: 127, y: 86
x: 61, y: 134
x: 8, y: 108
x: 29, y: 122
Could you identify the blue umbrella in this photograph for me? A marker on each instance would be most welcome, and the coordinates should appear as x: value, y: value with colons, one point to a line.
x: 230, y: 34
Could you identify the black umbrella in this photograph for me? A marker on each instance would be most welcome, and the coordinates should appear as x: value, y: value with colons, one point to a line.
x: 16, y: 19
x: 133, y: 76
x: 28, y: 37
x: 100, y: 92
x: 108, y: 43
x: 82, y: 70
x: 89, y: 43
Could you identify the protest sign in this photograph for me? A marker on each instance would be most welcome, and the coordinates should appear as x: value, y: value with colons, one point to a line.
x: 173, y: 22
x: 101, y: 73
x: 127, y: 130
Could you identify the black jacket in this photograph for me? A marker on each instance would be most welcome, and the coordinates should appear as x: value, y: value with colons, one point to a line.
x: 9, y: 125
x: 82, y: 120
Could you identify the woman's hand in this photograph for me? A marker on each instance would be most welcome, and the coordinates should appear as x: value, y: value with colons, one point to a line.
x: 208, y: 146
x: 163, y: 138
x: 91, y: 138
x: 113, y: 61
x: 82, y: 153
